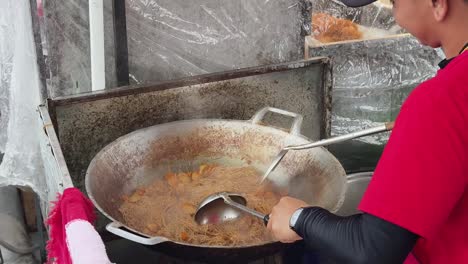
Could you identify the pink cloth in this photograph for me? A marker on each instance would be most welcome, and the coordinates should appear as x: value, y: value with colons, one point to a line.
x: 40, y: 9
x: 73, y: 239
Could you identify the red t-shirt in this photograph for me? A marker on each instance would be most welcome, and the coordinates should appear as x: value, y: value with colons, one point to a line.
x: 421, y: 180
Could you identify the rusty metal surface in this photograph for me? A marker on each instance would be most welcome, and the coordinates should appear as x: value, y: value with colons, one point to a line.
x: 88, y: 122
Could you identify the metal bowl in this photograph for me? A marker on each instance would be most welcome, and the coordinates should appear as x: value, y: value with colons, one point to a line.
x: 357, y: 185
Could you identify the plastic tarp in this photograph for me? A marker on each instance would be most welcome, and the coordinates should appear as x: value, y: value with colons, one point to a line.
x: 170, y: 39
x: 373, y: 74
x: 376, y: 17
x: 20, y: 95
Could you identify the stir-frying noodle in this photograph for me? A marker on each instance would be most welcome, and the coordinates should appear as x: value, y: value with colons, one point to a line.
x: 167, y: 206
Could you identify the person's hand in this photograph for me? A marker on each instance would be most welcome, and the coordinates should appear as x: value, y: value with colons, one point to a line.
x: 280, y: 215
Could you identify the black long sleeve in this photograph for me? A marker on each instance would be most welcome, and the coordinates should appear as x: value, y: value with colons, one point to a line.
x: 361, y: 238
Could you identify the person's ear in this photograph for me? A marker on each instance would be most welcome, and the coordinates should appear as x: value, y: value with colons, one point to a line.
x: 440, y: 9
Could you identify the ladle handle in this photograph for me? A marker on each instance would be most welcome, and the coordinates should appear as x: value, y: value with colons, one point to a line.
x: 243, y: 208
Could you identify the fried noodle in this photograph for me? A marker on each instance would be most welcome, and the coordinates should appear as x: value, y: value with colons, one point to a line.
x: 168, y: 205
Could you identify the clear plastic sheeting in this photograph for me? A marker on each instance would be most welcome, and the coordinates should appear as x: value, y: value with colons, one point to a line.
x: 373, y: 20
x: 373, y: 78
x: 372, y: 73
x: 170, y: 39
x: 20, y: 88
x: 333, y: 22
x: 66, y: 39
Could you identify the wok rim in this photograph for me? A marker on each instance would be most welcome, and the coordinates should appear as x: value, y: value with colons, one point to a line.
x: 243, y: 122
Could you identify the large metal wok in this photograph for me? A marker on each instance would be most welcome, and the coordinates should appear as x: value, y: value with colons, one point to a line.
x: 313, y: 175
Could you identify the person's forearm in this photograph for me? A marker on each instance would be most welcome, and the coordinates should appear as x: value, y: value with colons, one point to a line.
x: 361, y: 238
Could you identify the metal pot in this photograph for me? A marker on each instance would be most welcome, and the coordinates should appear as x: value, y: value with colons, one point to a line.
x: 357, y: 186
x: 313, y: 175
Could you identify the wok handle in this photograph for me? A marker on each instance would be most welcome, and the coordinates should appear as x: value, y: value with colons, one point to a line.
x: 296, y: 125
x: 116, y: 229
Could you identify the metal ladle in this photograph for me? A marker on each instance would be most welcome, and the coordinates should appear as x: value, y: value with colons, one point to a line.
x: 366, y: 132
x: 213, y: 209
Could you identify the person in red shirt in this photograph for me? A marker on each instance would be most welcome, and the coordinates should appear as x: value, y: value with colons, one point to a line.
x: 417, y: 201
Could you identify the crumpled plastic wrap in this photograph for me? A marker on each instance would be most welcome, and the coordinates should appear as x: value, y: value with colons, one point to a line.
x: 373, y: 78
x: 374, y: 74
x: 66, y: 35
x: 377, y: 16
x: 20, y: 97
x: 169, y: 39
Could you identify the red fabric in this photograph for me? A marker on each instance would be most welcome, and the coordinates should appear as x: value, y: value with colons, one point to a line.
x: 411, y: 260
x: 71, y: 205
x: 421, y: 180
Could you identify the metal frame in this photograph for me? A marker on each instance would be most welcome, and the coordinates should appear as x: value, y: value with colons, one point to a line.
x: 120, y: 42
x: 64, y: 181
x: 40, y: 58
